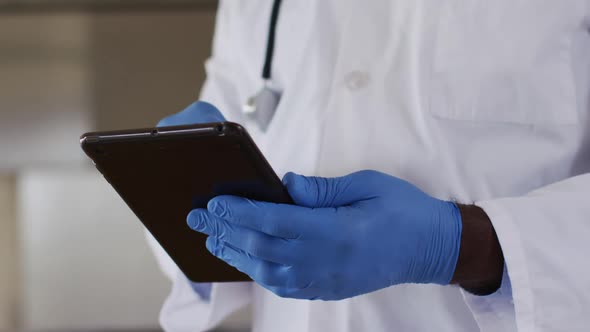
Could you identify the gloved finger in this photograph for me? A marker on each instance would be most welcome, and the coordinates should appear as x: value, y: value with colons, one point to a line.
x: 259, y: 270
x: 318, y: 192
x: 309, y: 292
x: 279, y: 220
x: 198, y: 112
x: 306, y: 292
x: 255, y: 243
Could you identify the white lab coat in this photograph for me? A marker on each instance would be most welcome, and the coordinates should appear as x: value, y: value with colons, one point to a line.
x: 478, y: 101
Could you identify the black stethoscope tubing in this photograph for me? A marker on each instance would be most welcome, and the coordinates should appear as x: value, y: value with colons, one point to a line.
x: 270, y: 45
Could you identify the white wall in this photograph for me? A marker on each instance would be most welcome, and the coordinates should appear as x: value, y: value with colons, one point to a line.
x: 86, y: 263
x: 44, y: 107
x: 8, y: 255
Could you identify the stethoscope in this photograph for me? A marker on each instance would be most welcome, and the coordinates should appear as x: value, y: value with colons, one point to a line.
x: 261, y: 107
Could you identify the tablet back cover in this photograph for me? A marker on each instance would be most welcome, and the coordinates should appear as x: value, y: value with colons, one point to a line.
x: 162, y: 175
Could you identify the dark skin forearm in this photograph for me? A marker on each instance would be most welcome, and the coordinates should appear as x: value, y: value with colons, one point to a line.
x: 481, y: 264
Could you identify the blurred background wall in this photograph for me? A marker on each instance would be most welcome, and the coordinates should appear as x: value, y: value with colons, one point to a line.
x: 72, y: 256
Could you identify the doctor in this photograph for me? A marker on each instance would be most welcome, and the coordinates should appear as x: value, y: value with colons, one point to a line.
x: 404, y: 111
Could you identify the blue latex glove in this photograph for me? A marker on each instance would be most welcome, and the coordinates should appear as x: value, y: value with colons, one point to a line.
x: 347, y: 236
x: 198, y: 112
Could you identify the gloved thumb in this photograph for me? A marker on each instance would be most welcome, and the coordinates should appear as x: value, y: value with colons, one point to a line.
x: 318, y: 192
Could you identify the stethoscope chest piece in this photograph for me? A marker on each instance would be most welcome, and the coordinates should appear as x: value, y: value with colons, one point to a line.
x: 261, y: 108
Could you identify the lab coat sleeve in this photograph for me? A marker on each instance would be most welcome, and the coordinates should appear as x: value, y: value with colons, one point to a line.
x: 545, y: 237
x: 184, y: 309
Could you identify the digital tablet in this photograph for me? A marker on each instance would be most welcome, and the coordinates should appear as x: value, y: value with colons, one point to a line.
x: 163, y: 173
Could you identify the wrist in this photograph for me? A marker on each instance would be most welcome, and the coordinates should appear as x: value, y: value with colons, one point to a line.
x: 480, y: 264
x: 446, y: 242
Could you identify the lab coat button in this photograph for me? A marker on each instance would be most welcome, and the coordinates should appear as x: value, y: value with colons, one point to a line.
x: 356, y: 80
